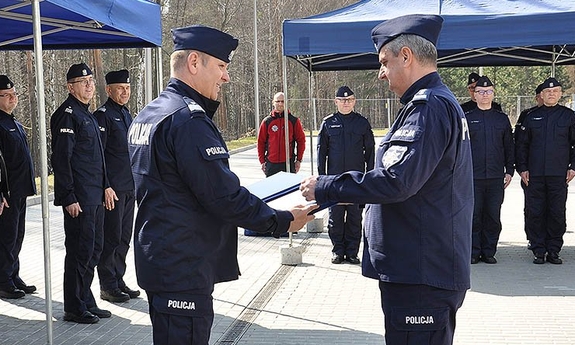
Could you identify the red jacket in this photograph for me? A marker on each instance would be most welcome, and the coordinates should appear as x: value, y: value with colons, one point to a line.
x: 271, y: 138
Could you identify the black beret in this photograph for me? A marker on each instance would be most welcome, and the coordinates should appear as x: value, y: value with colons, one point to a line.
x: 343, y: 91
x: 427, y: 26
x: 205, y: 39
x: 483, y: 82
x: 118, y: 77
x: 549, y: 83
x: 473, y: 77
x: 5, y: 83
x: 78, y: 70
x: 538, y: 89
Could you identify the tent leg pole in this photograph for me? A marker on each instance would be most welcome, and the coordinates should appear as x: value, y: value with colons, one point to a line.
x: 286, y: 114
x: 38, y: 62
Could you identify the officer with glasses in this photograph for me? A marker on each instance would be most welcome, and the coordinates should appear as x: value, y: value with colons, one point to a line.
x: 493, y: 156
x: 79, y: 184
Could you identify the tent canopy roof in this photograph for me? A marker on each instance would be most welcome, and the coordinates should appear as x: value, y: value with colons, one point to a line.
x: 475, y: 33
x: 81, y: 24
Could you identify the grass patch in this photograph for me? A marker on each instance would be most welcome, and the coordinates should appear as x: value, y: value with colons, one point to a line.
x: 50, y: 184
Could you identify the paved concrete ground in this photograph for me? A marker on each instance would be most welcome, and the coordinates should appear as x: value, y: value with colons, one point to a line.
x: 513, y: 302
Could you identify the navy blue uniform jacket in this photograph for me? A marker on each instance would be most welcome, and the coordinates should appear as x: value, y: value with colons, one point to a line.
x: 492, y: 147
x: 14, y: 147
x: 420, y: 193
x: 545, y: 144
x: 114, y: 121
x: 345, y: 143
x: 189, y: 201
x: 77, y: 155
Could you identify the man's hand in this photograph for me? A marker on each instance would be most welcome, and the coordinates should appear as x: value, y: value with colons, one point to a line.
x: 3, y: 204
x: 110, y: 199
x: 307, y: 187
x: 297, y: 166
x: 570, y: 175
x: 507, y: 180
x: 525, y: 177
x: 301, y: 216
x: 74, y: 210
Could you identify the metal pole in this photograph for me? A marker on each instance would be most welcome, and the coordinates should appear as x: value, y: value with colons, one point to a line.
x: 39, y: 67
x: 148, y: 74
x: 286, y: 113
x: 256, y: 72
x: 159, y: 70
x: 312, y: 108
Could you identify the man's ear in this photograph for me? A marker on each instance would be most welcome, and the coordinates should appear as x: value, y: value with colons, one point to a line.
x: 193, y: 61
x: 406, y: 54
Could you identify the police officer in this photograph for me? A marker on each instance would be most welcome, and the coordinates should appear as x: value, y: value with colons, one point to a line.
x: 493, y: 156
x: 20, y: 177
x: 79, y: 183
x: 516, y: 132
x: 189, y: 201
x: 417, y: 229
x: 345, y: 143
x: 114, y: 119
x: 472, y: 103
x: 545, y: 160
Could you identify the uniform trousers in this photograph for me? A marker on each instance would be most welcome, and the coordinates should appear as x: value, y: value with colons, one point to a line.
x: 12, y: 225
x: 488, y: 196
x: 84, y: 239
x: 176, y: 323
x: 344, y: 229
x: 419, y: 314
x: 118, y: 224
x: 274, y: 168
x: 546, y: 199
x: 524, y: 187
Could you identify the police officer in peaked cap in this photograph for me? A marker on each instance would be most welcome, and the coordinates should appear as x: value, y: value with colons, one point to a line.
x: 114, y: 120
x: 516, y: 132
x: 79, y: 184
x: 546, y: 163
x: 189, y: 201
x: 19, y: 176
x: 345, y: 142
x: 419, y: 196
x: 493, y: 156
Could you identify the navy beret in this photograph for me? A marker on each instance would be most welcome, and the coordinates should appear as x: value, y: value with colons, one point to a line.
x: 78, y: 70
x: 118, y: 77
x: 343, y: 91
x: 483, y: 82
x: 538, y: 89
x: 205, y: 39
x: 5, y: 83
x: 427, y: 26
x: 549, y: 83
x: 473, y: 77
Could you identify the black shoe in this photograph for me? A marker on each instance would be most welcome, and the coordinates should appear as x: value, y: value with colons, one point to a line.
x: 12, y: 293
x: 539, y: 260
x: 352, y: 259
x: 101, y: 313
x: 337, y: 259
x: 26, y: 288
x: 85, y: 317
x: 554, y: 258
x: 474, y: 260
x: 114, y: 296
x: 489, y: 259
x: 130, y: 292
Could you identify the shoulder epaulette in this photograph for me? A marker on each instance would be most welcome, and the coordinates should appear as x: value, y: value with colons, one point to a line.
x: 422, y: 96
x: 102, y: 109
x: 69, y: 110
x: 194, y: 108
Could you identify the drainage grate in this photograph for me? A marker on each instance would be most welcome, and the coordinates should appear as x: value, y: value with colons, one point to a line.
x: 239, y: 326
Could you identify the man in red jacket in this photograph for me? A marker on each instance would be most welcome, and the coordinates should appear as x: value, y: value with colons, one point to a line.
x: 271, y: 140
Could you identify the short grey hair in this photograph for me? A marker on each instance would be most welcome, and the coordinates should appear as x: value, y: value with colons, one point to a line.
x: 179, y: 59
x: 422, y: 49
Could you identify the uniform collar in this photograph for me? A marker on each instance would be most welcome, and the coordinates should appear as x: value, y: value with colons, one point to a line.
x: 426, y: 82
x: 209, y: 105
x: 3, y: 113
x: 111, y: 103
x: 71, y: 98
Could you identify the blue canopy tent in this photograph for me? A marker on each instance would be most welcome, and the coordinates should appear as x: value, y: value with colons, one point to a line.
x: 475, y: 33
x: 72, y: 24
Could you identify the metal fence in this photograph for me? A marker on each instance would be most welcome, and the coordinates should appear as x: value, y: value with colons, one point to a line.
x: 381, y: 112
